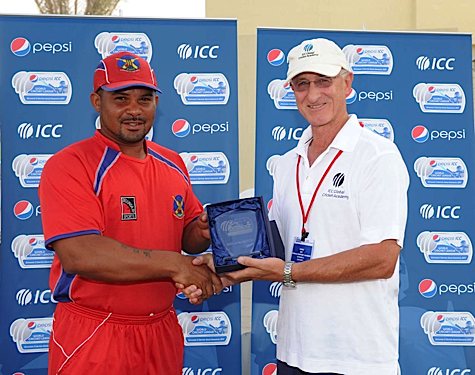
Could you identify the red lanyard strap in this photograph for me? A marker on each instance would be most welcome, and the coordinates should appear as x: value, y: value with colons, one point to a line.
x: 305, y: 215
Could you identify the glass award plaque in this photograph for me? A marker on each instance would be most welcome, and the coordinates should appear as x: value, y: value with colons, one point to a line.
x: 239, y: 228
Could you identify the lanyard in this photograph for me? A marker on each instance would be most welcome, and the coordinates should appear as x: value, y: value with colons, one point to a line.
x: 305, y: 215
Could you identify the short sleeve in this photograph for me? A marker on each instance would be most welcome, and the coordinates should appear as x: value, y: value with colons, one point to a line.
x: 382, y: 199
x: 69, y: 206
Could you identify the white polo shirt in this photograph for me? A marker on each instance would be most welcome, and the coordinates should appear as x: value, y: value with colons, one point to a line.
x: 349, y: 328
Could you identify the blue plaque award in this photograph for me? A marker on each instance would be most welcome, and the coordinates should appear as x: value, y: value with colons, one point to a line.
x: 241, y: 227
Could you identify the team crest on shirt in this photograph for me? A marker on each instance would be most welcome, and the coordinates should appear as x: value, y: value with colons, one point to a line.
x: 129, y: 208
x: 178, y: 206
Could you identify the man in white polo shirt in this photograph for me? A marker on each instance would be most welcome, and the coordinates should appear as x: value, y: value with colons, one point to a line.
x: 340, y: 203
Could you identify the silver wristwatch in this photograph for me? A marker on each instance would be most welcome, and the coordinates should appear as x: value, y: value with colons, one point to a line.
x: 288, y: 275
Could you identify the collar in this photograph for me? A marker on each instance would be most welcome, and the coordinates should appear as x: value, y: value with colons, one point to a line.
x: 345, y: 139
x: 108, y: 142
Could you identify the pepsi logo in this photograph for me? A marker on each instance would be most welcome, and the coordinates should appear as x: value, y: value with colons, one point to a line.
x: 351, y: 98
x: 181, y: 295
x: 33, y: 241
x: 181, y: 128
x: 115, y: 39
x: 420, y: 134
x: 431, y: 89
x: 31, y: 325
x: 359, y: 51
x: 270, y: 369
x: 194, y: 158
x: 34, y: 161
x: 20, y: 47
x: 427, y: 288
x: 33, y: 78
x: 269, y: 204
x: 275, y: 57
x: 195, y: 319
x: 440, y: 318
x: 23, y: 210
x: 194, y: 80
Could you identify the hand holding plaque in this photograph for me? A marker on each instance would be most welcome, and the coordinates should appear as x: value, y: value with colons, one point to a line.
x: 241, y: 228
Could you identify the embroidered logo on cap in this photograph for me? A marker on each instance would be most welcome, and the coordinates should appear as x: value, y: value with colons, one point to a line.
x: 128, y: 63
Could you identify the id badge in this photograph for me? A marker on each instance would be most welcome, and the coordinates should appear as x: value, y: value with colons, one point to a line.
x: 302, y: 250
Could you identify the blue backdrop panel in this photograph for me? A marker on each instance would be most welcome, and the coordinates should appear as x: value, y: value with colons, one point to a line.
x: 46, y: 71
x: 415, y: 89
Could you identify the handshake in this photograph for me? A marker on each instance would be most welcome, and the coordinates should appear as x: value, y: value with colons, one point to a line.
x: 243, y: 242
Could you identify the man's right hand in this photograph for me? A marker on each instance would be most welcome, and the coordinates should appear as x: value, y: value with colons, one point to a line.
x: 197, y: 278
x: 192, y: 292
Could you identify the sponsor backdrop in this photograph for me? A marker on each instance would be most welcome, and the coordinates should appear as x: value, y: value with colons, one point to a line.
x: 416, y: 90
x: 46, y: 72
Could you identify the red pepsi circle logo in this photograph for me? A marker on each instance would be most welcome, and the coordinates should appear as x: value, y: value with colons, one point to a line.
x: 194, y: 158
x: 359, y: 51
x: 31, y: 325
x: 195, y: 319
x: 270, y: 369
x: 436, y: 238
x: 433, y: 163
x: 181, y: 128
x: 427, y: 288
x: 440, y: 318
x: 23, y: 210
x: 431, y: 89
x: 269, y: 204
x: 351, y: 98
x: 194, y: 80
x: 20, y: 47
x: 115, y: 39
x: 420, y: 134
x: 32, y: 241
x: 33, y: 78
x: 275, y: 57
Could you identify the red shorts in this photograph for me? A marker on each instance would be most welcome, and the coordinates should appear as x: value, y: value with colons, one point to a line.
x: 85, y: 341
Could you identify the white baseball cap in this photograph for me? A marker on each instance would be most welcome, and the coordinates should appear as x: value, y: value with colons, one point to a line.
x: 321, y: 56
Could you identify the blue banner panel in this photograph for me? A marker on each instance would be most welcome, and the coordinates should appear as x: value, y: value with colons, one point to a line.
x: 46, y: 70
x: 416, y: 90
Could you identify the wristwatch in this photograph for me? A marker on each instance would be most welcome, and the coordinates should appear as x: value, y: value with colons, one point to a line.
x: 288, y: 282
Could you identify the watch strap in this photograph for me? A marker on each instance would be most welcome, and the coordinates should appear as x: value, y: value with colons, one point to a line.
x: 287, y: 277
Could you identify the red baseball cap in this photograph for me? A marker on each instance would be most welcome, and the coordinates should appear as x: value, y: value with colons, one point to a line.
x: 122, y: 70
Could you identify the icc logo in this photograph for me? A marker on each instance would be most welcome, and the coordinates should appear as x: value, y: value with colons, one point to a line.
x: 457, y: 371
x: 434, y: 63
x: 27, y: 130
x: 185, y: 51
x: 207, y: 371
x: 279, y: 133
x: 428, y: 211
x: 26, y: 296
